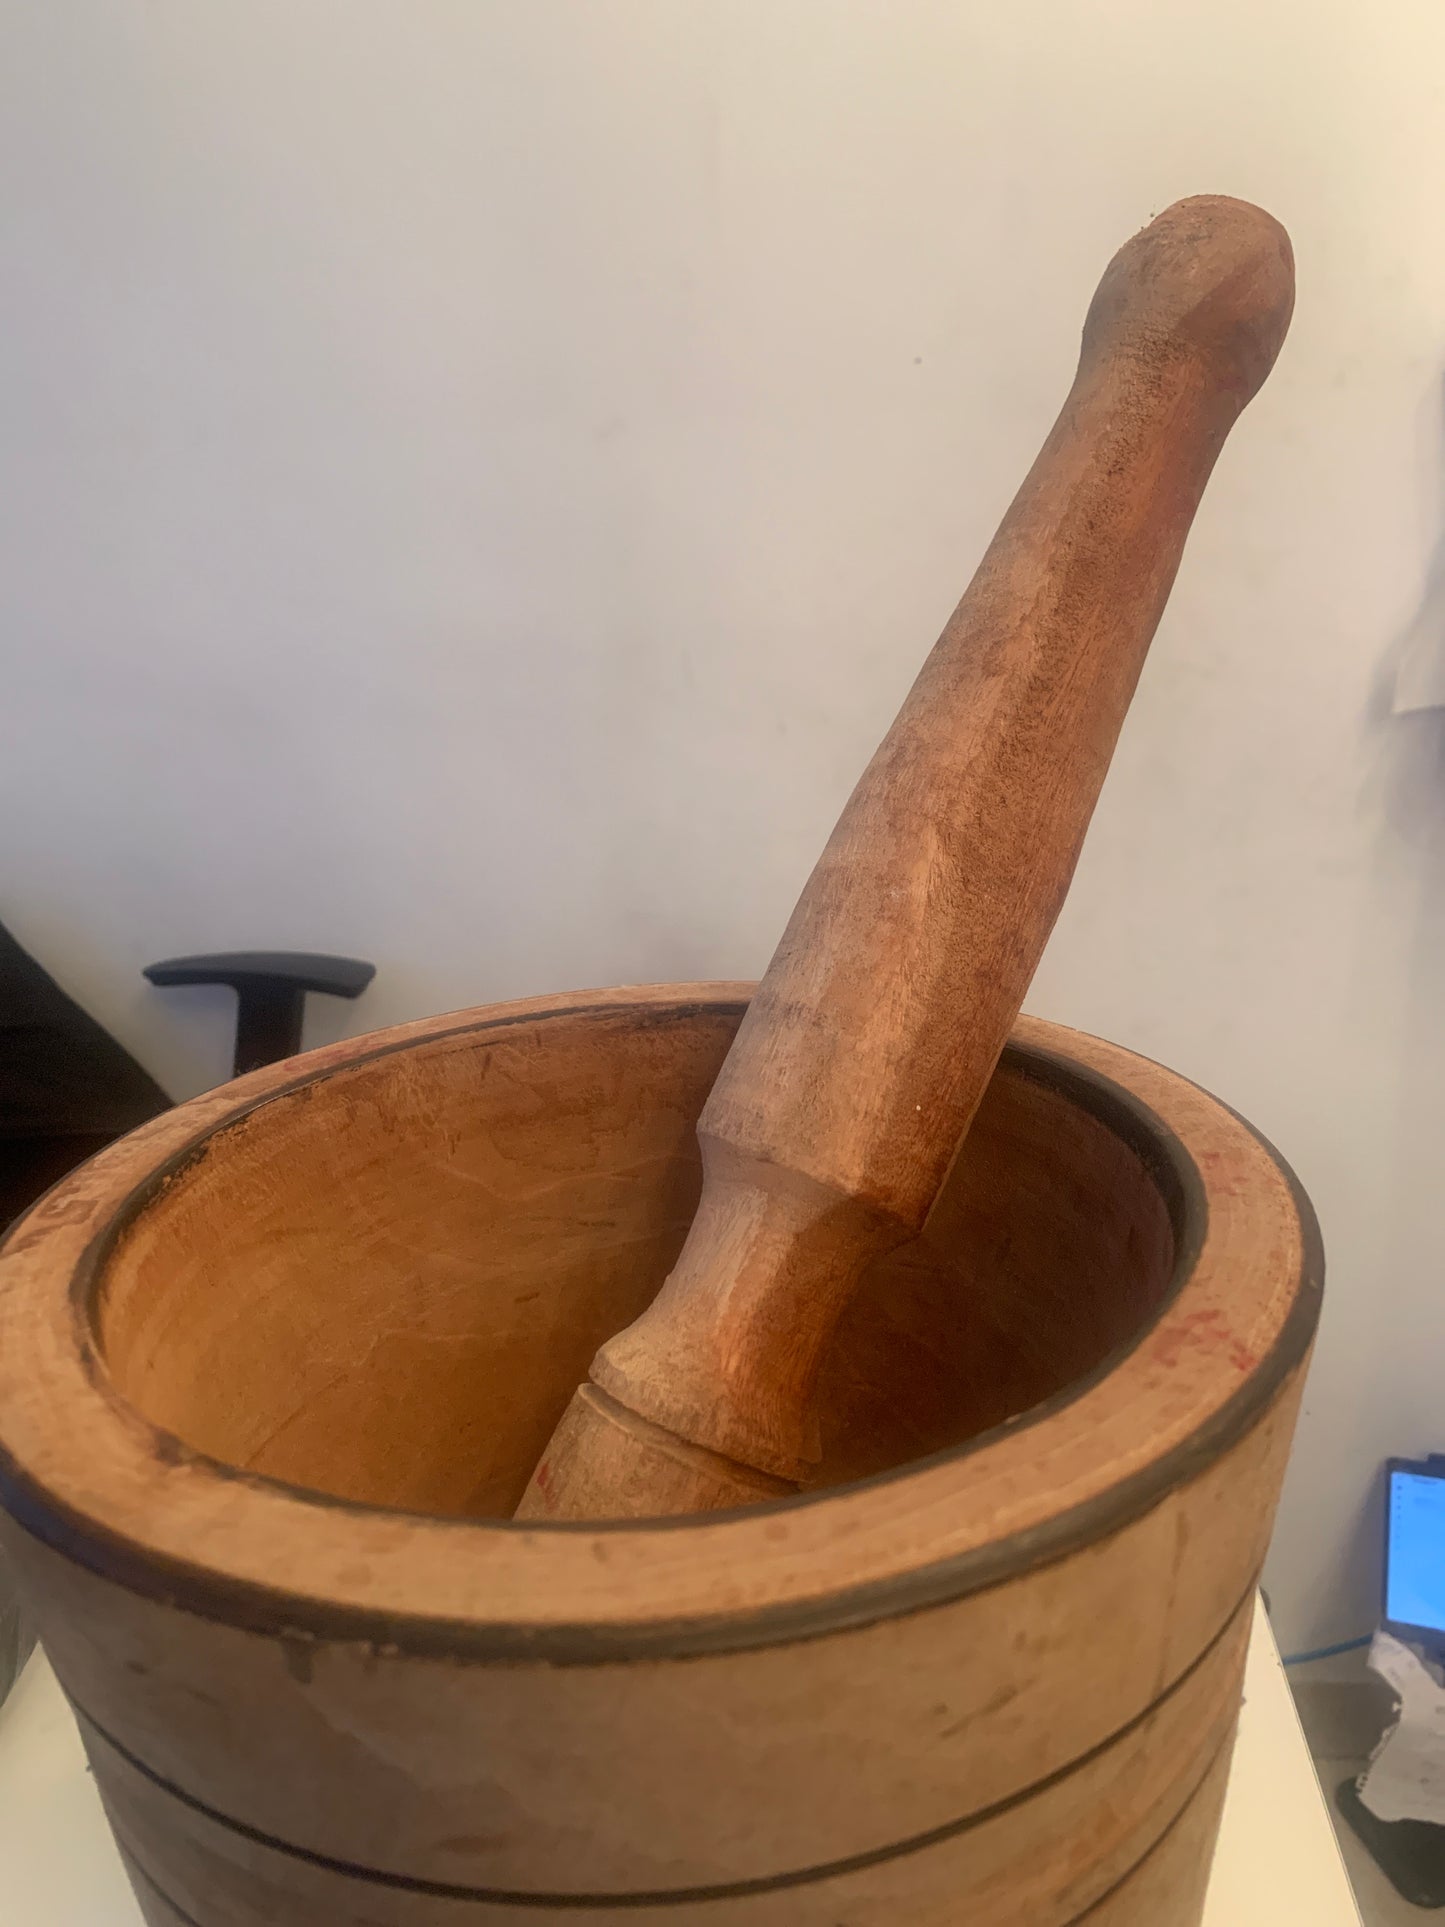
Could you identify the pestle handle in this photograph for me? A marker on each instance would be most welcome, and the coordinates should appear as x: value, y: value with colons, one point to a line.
x: 864, y: 1055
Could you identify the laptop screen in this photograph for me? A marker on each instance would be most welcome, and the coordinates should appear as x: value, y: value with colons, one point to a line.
x: 1415, y: 1549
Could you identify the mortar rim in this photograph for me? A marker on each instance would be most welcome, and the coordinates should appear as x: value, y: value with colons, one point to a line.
x: 62, y: 1518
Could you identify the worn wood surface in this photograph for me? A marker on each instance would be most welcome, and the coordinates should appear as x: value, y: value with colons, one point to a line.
x: 1166, y: 1888
x: 304, y: 1656
x: 878, y: 1024
x: 1019, y: 1865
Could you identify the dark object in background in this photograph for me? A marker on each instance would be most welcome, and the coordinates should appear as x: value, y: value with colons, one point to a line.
x: 270, y: 987
x: 1411, y: 1852
x: 67, y: 1087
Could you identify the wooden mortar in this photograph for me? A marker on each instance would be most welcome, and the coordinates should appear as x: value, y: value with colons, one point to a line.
x: 275, y: 1368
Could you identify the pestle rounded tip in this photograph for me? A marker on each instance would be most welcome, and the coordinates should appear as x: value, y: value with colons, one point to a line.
x: 1210, y: 274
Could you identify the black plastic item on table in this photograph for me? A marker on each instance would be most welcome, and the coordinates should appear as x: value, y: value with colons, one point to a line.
x: 1410, y: 1852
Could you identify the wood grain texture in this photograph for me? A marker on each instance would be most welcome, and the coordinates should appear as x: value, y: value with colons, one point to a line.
x: 1018, y: 1865
x: 336, y: 1650
x: 1167, y: 1888
x: 1170, y: 1886
x: 875, y: 1031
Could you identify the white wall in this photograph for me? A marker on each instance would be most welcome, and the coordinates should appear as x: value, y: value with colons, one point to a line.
x: 477, y: 479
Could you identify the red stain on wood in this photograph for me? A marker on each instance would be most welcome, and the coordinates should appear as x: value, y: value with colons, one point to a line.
x: 1204, y: 1330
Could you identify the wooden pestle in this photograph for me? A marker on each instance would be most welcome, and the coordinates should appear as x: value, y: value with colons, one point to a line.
x: 868, y: 1046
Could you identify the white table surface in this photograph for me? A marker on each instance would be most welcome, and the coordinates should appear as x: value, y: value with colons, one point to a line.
x: 1277, y: 1864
